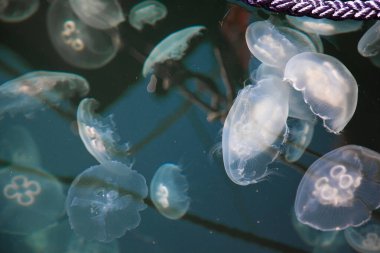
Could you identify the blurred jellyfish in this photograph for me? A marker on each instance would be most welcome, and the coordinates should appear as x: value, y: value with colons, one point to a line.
x: 17, y: 10
x: 340, y: 189
x: 265, y: 71
x: 31, y: 199
x: 173, y: 47
x: 77, y: 43
x: 168, y: 191
x: 104, y: 201
x: 147, y: 12
x: 327, y: 86
x: 99, y: 134
x: 100, y: 14
x: 369, y: 43
x: 253, y: 130
x: 273, y: 45
x: 364, y: 239
x: 324, y: 26
x: 36, y: 89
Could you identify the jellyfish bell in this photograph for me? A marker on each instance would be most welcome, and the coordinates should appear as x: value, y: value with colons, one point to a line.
x: 364, y: 239
x: 168, y: 191
x: 328, y: 87
x: 340, y: 189
x: 104, y: 201
x: 99, y: 135
x: 254, y: 129
x: 17, y: 10
x: 77, y: 43
x: 173, y: 47
x: 146, y: 12
x: 369, y: 43
x: 100, y: 14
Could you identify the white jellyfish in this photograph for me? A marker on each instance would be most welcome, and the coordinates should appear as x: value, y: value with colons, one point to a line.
x: 364, y: 239
x: 168, y: 191
x: 77, y: 43
x: 273, y: 45
x: 36, y: 89
x: 340, y: 189
x: 99, y: 134
x: 147, y: 12
x: 327, y: 86
x: 100, y: 14
x: 104, y: 201
x: 254, y: 128
x: 17, y: 10
x: 369, y: 43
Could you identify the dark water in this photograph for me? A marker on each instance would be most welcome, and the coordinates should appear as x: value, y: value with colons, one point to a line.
x: 223, y: 217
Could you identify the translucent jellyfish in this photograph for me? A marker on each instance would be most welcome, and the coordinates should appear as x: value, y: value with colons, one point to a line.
x: 36, y: 89
x: 168, y: 191
x: 100, y: 14
x: 327, y: 86
x: 266, y: 71
x: 340, y: 189
x: 173, y: 47
x: 104, y: 201
x: 369, y: 43
x: 30, y: 199
x: 99, y: 134
x: 17, y: 10
x: 364, y: 239
x: 324, y: 26
x: 77, y: 43
x: 253, y: 130
x: 147, y: 12
x: 273, y: 45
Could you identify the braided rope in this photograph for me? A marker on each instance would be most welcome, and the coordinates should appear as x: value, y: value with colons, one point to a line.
x: 335, y: 9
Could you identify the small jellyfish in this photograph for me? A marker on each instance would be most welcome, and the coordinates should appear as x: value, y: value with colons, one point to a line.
x: 327, y: 86
x: 31, y: 199
x: 369, y: 43
x: 265, y: 71
x: 173, y: 47
x: 100, y: 14
x: 147, y: 12
x: 340, y: 189
x: 364, y: 239
x: 168, y: 191
x: 324, y: 26
x: 253, y: 130
x: 77, y: 43
x: 36, y: 89
x: 274, y: 45
x: 104, y: 201
x: 17, y: 10
x: 99, y: 134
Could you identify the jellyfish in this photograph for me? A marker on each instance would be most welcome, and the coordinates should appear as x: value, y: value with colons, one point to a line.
x: 99, y: 134
x: 30, y: 199
x: 254, y: 129
x: 340, y: 189
x: 173, y: 47
x: 77, y: 43
x: 100, y: 14
x: 147, y: 12
x: 328, y: 87
x: 104, y: 201
x: 35, y: 90
x: 273, y: 45
x: 17, y: 10
x: 364, y: 239
x: 369, y: 44
x: 168, y: 191
x: 324, y: 26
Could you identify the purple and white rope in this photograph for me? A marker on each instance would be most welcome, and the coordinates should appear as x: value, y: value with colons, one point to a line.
x: 336, y: 9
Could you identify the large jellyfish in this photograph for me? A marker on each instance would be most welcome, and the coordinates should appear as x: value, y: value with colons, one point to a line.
x: 340, y: 189
x: 364, y: 239
x: 36, y: 89
x: 168, y: 191
x: 99, y: 134
x: 369, y: 43
x: 100, y: 14
x: 104, y: 201
x: 146, y: 12
x: 253, y: 130
x: 17, y: 10
x: 77, y: 43
x: 327, y: 86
